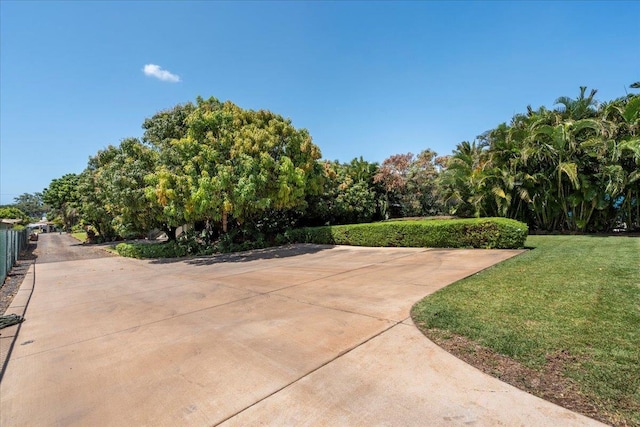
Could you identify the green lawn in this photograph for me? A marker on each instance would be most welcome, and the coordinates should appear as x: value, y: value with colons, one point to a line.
x: 575, y: 295
x: 82, y: 236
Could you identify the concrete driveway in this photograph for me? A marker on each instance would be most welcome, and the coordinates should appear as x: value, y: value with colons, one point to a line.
x: 302, y: 335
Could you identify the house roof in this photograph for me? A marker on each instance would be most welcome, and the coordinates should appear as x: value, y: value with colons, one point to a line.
x: 6, y: 223
x: 10, y: 221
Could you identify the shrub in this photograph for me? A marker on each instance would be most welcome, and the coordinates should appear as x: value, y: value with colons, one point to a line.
x: 489, y: 233
x: 151, y: 250
x: 78, y: 228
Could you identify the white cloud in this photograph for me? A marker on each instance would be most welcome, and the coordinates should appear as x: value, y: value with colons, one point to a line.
x: 156, y: 71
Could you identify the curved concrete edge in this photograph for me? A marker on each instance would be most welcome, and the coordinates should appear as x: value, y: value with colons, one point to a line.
x: 19, y: 305
x: 400, y: 377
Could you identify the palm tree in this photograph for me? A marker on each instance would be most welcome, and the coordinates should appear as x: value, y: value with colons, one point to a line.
x: 620, y: 154
x: 574, y: 168
x: 582, y: 107
x: 463, y: 182
x: 556, y: 149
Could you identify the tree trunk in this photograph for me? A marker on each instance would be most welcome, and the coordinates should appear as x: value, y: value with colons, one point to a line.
x: 170, y: 231
x: 224, y: 221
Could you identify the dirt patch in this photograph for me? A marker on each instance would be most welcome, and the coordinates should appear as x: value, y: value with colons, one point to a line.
x: 16, y: 276
x: 548, y: 383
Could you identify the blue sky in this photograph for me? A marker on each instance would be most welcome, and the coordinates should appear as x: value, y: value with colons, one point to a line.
x: 367, y: 79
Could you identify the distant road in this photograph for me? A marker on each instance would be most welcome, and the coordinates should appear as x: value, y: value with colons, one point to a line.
x: 54, y: 247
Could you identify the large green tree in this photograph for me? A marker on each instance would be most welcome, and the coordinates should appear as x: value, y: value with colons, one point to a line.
x: 232, y: 166
x: 113, y: 191
x: 349, y: 195
x: 167, y: 125
x: 64, y: 199
x: 31, y: 204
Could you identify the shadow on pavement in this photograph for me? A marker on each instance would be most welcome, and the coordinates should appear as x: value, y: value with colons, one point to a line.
x: 257, y: 254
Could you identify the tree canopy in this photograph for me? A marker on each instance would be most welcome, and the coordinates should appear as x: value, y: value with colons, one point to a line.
x: 228, y: 171
x: 63, y: 198
x: 11, y: 212
x: 233, y: 164
x: 31, y: 204
x: 575, y: 168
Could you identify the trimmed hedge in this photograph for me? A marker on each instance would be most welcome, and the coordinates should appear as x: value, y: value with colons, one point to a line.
x: 153, y: 250
x: 488, y: 233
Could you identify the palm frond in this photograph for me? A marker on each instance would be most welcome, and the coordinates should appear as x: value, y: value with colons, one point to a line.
x: 570, y: 169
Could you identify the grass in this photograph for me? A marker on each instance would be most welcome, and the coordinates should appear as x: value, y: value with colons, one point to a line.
x: 81, y: 236
x: 575, y: 295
